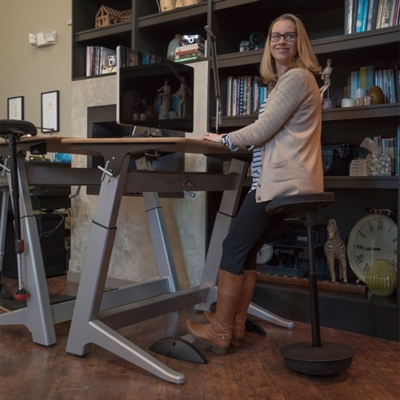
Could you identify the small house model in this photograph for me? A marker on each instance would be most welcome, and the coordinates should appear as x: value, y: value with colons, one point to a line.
x: 109, y: 16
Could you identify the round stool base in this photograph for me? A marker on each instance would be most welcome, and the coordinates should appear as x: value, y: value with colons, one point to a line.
x: 329, y: 359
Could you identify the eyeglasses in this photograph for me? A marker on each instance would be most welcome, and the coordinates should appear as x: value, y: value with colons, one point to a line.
x: 288, y: 36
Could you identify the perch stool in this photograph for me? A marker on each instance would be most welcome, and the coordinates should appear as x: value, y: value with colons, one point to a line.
x: 311, y: 358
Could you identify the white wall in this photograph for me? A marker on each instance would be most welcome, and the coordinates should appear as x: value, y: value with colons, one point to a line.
x: 28, y: 71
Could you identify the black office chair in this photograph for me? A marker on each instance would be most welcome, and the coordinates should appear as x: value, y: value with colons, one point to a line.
x: 314, y: 358
x: 11, y: 131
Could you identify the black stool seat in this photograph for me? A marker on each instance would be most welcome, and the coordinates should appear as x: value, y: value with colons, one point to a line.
x: 16, y: 128
x: 314, y: 358
x: 301, y: 203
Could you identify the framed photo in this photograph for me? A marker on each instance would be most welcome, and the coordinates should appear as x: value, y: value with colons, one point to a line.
x: 50, y: 112
x: 15, y: 107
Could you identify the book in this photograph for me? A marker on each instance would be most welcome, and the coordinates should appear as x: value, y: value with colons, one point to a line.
x: 396, y: 13
x: 391, y: 86
x: 388, y: 86
x: 234, y: 96
x: 397, y: 83
x: 386, y: 12
x: 379, y: 14
x: 363, y: 77
x: 348, y: 15
x: 397, y: 151
x: 107, y: 61
x: 372, y: 12
x: 362, y: 14
x: 370, y: 70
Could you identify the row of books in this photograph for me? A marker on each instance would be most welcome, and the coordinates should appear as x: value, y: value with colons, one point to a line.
x: 367, y: 15
x: 100, y: 60
x: 244, y: 95
x: 387, y: 79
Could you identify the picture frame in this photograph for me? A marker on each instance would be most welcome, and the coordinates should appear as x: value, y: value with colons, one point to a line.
x: 15, y: 107
x: 50, y: 111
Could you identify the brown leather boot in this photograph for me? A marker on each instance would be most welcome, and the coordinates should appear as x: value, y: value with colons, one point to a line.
x: 239, y: 325
x: 219, y: 332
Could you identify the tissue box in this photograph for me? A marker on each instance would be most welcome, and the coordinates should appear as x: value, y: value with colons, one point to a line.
x: 378, y: 165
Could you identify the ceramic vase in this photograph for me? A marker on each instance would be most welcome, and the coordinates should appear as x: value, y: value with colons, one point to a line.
x: 381, y: 278
x: 173, y: 44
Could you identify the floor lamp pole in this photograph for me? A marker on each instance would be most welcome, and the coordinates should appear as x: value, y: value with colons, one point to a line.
x: 218, y: 112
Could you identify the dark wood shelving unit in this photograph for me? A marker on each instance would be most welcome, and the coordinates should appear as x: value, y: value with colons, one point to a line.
x: 233, y: 21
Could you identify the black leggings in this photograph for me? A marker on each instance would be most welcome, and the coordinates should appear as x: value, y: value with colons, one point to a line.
x: 247, y: 236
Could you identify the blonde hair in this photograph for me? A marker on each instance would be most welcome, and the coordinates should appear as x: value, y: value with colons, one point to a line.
x: 305, y: 57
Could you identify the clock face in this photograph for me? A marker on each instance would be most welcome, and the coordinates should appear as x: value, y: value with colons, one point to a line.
x: 373, y: 236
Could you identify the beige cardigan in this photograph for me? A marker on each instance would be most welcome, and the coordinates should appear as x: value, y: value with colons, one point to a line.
x: 289, y: 132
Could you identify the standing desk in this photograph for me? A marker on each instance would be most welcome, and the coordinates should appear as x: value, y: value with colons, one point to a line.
x: 98, y: 314
x: 91, y: 325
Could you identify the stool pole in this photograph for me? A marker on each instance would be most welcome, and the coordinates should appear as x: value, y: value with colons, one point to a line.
x: 312, y: 281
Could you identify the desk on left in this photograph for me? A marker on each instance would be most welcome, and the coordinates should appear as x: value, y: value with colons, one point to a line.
x: 39, y: 315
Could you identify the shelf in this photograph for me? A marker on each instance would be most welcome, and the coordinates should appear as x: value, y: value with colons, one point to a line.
x: 362, y: 112
x: 98, y: 33
x: 334, y: 114
x: 357, y: 41
x: 173, y: 16
x: 361, y: 182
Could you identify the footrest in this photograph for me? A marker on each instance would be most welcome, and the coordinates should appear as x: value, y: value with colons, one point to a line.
x: 254, y: 327
x: 179, y: 349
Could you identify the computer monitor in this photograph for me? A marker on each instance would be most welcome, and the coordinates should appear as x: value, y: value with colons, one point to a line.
x: 153, y: 92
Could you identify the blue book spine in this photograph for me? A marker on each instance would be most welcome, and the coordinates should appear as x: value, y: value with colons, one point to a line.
x: 362, y: 16
x: 397, y: 151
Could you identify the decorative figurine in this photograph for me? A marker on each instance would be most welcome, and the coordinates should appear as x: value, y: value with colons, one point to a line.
x: 326, y: 77
x: 182, y: 94
x: 165, y: 91
x: 335, y: 249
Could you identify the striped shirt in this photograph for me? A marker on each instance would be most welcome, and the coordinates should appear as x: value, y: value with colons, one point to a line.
x: 256, y: 161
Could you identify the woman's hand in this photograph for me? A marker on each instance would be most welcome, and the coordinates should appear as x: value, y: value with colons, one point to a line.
x: 212, y: 137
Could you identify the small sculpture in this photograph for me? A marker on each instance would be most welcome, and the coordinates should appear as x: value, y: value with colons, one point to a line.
x: 165, y: 92
x: 182, y: 94
x: 335, y: 249
x: 326, y: 77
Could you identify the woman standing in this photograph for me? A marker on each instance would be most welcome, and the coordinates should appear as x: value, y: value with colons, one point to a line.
x: 287, y: 160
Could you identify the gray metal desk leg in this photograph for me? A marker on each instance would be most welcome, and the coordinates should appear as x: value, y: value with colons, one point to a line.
x: 37, y: 316
x: 158, y: 231
x: 85, y: 326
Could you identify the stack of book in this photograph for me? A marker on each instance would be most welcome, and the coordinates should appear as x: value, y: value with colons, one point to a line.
x: 358, y: 167
x: 189, y: 52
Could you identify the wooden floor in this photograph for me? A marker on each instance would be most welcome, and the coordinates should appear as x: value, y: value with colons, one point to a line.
x: 253, y: 371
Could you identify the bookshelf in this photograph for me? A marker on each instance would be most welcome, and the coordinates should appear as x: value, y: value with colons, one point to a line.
x: 151, y: 31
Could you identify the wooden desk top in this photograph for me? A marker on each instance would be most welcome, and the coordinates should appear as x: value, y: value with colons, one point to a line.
x: 126, y: 145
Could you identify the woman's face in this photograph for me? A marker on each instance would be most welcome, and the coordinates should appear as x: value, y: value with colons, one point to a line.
x: 283, y: 50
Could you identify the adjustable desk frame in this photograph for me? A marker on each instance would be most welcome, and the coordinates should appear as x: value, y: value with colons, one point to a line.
x: 93, y: 320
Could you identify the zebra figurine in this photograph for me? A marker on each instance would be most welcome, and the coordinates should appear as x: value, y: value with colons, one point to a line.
x: 335, y: 249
